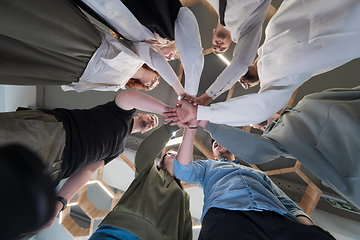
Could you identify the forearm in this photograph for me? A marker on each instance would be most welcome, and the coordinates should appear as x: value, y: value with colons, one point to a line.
x: 229, y: 76
x: 166, y: 71
x: 246, y: 146
x: 188, y: 44
x: 185, y: 152
x: 78, y: 180
x: 150, y: 148
x: 178, y: 88
x: 130, y: 99
x: 251, y: 108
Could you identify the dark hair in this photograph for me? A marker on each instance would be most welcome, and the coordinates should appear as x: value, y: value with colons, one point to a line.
x: 250, y: 77
x: 212, y: 141
x: 135, y: 83
x: 160, y: 165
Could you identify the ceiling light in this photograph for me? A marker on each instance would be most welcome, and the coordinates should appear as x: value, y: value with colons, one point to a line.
x: 196, y: 226
x: 174, y: 141
x: 223, y: 59
x: 102, y: 186
x: 60, y: 217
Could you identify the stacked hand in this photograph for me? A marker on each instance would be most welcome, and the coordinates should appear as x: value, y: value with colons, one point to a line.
x: 183, y: 114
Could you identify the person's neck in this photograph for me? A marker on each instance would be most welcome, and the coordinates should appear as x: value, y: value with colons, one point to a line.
x: 136, y: 126
x: 230, y: 157
x: 139, y: 73
x: 221, y: 28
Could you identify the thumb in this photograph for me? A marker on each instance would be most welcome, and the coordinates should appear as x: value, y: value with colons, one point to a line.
x: 178, y: 102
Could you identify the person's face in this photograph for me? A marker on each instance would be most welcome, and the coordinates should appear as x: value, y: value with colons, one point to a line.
x: 150, y: 79
x: 168, y: 163
x: 250, y: 79
x: 221, y: 41
x: 170, y: 52
x: 147, y: 121
x: 219, y: 151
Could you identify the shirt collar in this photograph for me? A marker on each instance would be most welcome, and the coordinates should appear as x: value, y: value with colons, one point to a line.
x: 237, y: 161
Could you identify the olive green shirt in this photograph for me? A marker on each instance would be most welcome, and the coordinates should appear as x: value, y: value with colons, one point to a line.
x: 154, y: 206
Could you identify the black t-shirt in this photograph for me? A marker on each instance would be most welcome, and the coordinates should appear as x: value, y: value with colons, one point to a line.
x: 157, y: 15
x: 92, y: 135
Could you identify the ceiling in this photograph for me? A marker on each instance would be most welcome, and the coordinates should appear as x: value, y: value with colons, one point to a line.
x: 345, y: 76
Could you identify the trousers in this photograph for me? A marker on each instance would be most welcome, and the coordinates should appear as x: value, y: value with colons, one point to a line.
x: 39, y: 132
x: 260, y: 225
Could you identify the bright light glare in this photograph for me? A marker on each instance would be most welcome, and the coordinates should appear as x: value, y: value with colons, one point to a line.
x: 174, y: 141
x: 223, y: 59
x: 197, y: 226
x: 102, y: 186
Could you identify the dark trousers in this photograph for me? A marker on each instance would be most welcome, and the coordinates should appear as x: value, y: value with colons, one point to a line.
x: 250, y: 225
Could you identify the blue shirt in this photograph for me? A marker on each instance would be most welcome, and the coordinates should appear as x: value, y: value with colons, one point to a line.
x: 231, y: 186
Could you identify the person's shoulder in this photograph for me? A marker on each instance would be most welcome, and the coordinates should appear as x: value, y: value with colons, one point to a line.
x: 112, y: 104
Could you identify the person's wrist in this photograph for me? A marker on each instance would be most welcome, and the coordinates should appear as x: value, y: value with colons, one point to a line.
x: 62, y: 201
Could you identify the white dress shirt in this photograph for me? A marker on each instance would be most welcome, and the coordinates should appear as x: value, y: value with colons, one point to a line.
x: 113, y: 64
x: 244, y: 20
x: 303, y: 39
x: 187, y: 36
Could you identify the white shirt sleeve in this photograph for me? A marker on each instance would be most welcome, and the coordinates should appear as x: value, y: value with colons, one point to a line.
x: 252, y: 108
x: 244, y: 55
x: 188, y: 43
x: 117, y: 14
x: 163, y: 67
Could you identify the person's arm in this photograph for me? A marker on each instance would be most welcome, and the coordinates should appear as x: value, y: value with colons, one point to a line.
x: 71, y: 187
x: 188, y: 43
x: 181, y: 114
x: 244, y: 54
x: 246, y: 146
x: 130, y: 99
x: 184, y: 168
x: 292, y: 207
x: 166, y: 72
x: 150, y: 148
x: 185, y: 153
x: 252, y: 108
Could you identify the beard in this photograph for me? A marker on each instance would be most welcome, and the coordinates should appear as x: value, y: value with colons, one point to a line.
x: 143, y: 124
x: 222, y: 154
x: 221, y: 35
x: 250, y: 77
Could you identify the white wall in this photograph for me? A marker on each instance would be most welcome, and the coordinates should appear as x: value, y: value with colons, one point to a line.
x: 340, y: 228
x: 12, y: 97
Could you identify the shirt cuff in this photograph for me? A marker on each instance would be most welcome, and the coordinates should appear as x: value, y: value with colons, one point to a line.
x: 211, y: 93
x: 204, y: 113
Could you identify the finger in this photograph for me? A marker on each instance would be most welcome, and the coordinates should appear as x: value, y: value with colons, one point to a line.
x: 184, y: 125
x: 169, y: 114
x: 174, y: 119
x: 174, y: 123
x: 178, y: 102
x: 170, y: 109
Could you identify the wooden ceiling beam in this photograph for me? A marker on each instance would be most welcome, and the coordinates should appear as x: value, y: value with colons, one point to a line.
x: 310, y: 199
x: 270, y: 13
x: 127, y: 161
x: 203, y: 149
x: 208, y: 51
